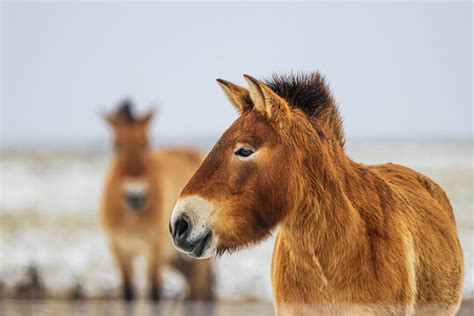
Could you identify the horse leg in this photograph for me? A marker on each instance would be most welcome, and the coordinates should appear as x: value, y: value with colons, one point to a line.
x: 124, y: 262
x: 199, y: 276
x: 154, y: 275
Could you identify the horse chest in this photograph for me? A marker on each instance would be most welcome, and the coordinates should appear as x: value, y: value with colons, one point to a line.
x: 298, y: 279
x: 132, y: 243
x: 133, y: 235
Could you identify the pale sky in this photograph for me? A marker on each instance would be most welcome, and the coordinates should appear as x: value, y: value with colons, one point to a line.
x: 397, y: 70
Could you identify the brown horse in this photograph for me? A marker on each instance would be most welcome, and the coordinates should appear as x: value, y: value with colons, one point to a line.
x: 353, y: 238
x: 140, y: 191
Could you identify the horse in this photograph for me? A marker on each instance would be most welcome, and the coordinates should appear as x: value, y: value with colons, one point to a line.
x: 351, y: 238
x: 141, y: 189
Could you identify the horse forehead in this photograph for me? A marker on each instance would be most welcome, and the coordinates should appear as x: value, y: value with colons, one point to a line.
x: 131, y: 131
x: 248, y: 125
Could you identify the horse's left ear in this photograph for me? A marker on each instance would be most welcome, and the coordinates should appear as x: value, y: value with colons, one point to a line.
x: 147, y: 118
x: 109, y: 118
x: 265, y: 100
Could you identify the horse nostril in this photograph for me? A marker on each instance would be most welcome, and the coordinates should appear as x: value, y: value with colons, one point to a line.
x: 135, y: 201
x: 181, y: 227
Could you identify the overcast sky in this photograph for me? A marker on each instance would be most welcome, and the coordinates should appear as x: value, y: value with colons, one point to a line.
x: 397, y: 70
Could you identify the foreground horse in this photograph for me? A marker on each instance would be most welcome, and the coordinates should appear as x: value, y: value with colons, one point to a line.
x: 141, y: 189
x: 353, y: 238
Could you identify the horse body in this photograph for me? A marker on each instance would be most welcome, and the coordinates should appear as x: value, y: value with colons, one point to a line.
x: 353, y: 239
x: 140, y: 191
x: 382, y: 259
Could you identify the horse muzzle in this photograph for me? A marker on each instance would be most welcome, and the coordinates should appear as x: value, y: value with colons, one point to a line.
x: 135, y: 195
x: 135, y: 201
x: 189, y: 230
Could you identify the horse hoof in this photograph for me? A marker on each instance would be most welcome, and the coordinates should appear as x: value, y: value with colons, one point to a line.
x: 155, y: 295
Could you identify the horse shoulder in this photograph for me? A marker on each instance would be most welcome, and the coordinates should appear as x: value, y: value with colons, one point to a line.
x: 110, y: 200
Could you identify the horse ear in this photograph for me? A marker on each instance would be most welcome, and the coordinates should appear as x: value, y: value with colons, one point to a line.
x: 237, y: 95
x: 109, y: 119
x: 146, y: 119
x: 265, y: 100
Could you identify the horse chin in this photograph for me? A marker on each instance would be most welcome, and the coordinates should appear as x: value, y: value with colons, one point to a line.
x: 206, y: 254
x: 206, y: 251
x: 203, y: 249
x: 135, y: 211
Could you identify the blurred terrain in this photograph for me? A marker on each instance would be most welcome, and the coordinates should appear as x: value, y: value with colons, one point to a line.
x: 51, y: 244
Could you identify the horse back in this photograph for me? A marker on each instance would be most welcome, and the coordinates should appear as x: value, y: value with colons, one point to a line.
x: 416, y: 188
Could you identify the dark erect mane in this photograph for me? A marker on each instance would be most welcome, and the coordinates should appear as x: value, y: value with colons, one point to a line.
x: 124, y: 111
x: 311, y: 94
x: 308, y: 92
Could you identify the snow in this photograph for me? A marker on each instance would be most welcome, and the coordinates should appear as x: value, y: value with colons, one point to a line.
x: 48, y: 218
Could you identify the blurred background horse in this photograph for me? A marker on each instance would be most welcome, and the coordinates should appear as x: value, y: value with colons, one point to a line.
x: 140, y: 191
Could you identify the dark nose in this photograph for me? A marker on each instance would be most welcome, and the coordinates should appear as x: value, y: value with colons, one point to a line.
x: 136, y: 201
x: 181, y: 230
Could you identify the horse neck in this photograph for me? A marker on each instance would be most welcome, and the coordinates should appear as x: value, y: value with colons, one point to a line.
x: 326, y: 225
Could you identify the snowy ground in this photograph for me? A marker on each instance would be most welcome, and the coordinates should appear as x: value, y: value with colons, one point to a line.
x: 48, y: 219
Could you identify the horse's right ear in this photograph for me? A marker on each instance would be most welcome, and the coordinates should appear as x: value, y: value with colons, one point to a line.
x: 237, y: 95
x: 148, y: 117
x: 109, y: 119
x: 265, y: 100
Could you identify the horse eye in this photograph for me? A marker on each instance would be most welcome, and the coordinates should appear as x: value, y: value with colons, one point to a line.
x: 244, y: 152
